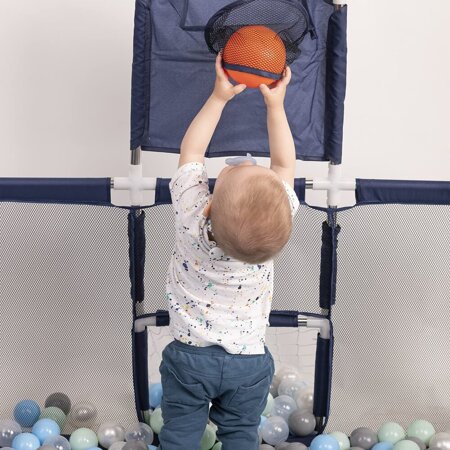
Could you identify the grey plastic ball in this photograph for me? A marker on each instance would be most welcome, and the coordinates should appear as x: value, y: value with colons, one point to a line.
x: 266, y: 447
x: 363, y: 437
x: 46, y: 447
x: 355, y: 448
x: 418, y: 441
x: 83, y: 415
x: 441, y: 440
x: 296, y: 446
x: 301, y: 423
x: 59, y: 400
x: 282, y: 446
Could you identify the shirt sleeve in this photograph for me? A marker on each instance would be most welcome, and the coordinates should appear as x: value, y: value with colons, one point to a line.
x: 293, y: 199
x: 189, y: 190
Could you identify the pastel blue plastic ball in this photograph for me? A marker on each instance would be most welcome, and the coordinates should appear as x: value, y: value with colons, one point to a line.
x: 25, y: 441
x: 27, y: 413
x: 155, y: 395
x: 45, y: 428
x: 152, y: 447
x: 94, y: 448
x: 324, y: 442
x: 262, y: 420
x: 383, y: 446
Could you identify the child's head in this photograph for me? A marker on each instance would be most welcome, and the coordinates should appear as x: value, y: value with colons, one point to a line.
x: 250, y: 213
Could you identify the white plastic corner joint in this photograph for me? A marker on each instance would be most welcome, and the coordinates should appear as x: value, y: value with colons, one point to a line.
x: 339, y: 2
x: 135, y: 183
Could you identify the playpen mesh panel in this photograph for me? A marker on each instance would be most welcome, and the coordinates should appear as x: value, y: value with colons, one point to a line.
x: 297, y: 268
x: 392, y: 353
x: 66, y: 312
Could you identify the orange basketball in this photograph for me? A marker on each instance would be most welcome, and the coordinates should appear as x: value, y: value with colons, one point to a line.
x: 254, y: 55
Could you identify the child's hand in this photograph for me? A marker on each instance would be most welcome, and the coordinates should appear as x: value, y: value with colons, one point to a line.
x: 223, y: 89
x: 274, y: 97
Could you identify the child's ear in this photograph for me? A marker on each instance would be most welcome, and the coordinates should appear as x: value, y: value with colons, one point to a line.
x: 207, y: 210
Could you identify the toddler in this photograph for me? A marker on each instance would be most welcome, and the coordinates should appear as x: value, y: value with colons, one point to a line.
x: 220, y: 278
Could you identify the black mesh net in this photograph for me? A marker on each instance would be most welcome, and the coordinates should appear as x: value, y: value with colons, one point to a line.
x: 289, y: 20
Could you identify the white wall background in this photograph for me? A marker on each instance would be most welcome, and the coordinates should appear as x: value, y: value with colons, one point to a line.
x: 65, y: 76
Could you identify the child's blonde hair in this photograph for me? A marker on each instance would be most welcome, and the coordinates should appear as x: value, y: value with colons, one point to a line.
x: 251, y: 220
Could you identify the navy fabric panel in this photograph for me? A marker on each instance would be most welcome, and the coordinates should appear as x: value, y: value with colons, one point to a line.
x: 328, y: 266
x: 335, y: 84
x: 162, y: 192
x: 181, y: 77
x: 403, y: 191
x: 140, y: 372
x: 283, y: 319
x: 56, y: 190
x: 136, y: 237
x: 162, y: 318
x: 322, y: 377
x: 141, y: 68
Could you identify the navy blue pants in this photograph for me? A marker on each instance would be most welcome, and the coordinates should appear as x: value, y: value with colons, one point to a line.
x: 236, y: 385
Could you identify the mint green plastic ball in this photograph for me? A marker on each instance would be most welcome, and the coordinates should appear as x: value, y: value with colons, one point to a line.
x: 54, y: 413
x: 208, y: 438
x: 421, y: 429
x: 83, y: 438
x: 342, y: 438
x: 217, y: 446
x: 391, y: 432
x: 269, y: 405
x: 406, y: 445
x: 156, y: 420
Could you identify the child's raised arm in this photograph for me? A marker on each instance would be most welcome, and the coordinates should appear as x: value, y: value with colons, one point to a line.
x: 200, y: 131
x: 281, y: 142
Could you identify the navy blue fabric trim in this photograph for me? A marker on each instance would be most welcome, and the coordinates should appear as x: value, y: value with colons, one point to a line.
x: 140, y: 93
x: 246, y: 69
x: 136, y: 237
x: 162, y: 192
x: 335, y: 84
x: 322, y: 377
x: 56, y: 190
x: 140, y: 372
x: 403, y: 191
x: 283, y: 319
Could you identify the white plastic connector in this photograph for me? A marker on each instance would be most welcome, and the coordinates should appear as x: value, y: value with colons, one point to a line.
x: 339, y: 2
x: 135, y: 183
x: 141, y: 324
x: 314, y: 322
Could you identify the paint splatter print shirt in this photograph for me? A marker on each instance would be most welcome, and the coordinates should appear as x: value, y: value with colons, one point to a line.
x: 213, y: 299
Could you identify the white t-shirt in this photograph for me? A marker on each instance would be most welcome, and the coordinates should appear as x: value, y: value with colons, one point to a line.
x: 213, y: 299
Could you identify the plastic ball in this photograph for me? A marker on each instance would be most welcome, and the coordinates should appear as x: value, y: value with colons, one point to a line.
x: 275, y: 430
x: 25, y: 441
x: 288, y: 373
x: 82, y: 439
x: 418, y: 441
x: 83, y: 415
x: 363, y: 437
x: 9, y: 429
x: 406, y: 445
x: 291, y: 387
x: 27, y: 413
x: 117, y: 445
x: 152, y: 447
x: 282, y: 446
x: 208, y: 438
x: 269, y: 405
x: 46, y: 447
x: 135, y: 445
x: 296, y: 446
x: 383, y: 446
x: 217, y: 446
x: 94, y: 448
x: 139, y: 432
x: 110, y: 432
x: 59, y: 400
x: 45, y: 428
x: 156, y: 420
x: 155, y: 394
x: 276, y: 380
x: 54, y: 413
x: 342, y: 438
x: 421, y: 429
x: 305, y: 399
x: 283, y: 406
x: 391, y: 432
x: 58, y: 442
x: 255, y: 47
x: 440, y: 440
x: 265, y: 447
x: 301, y: 423
x: 262, y: 420
x: 324, y: 442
